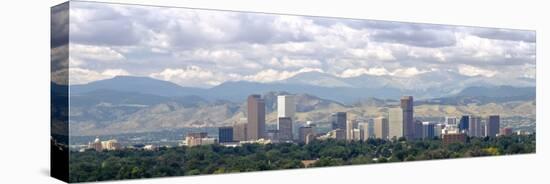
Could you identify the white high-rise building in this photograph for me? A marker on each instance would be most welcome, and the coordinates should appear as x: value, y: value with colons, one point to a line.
x: 285, y: 113
x: 286, y: 106
x: 396, y: 126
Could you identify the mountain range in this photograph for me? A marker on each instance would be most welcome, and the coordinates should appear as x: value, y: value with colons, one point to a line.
x: 128, y: 104
x: 344, y: 90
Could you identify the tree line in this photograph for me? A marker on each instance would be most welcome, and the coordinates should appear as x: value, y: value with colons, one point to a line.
x: 213, y: 159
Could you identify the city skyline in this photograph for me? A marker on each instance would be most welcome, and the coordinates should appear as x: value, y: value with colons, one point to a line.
x: 342, y: 128
x: 146, y: 91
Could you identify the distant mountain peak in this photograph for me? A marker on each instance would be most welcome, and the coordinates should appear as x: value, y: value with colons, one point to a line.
x: 138, y: 84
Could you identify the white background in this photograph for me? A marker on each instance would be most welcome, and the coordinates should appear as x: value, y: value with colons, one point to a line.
x: 24, y: 90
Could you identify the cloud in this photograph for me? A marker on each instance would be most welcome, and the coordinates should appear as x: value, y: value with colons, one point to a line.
x: 92, y: 23
x: 473, y: 50
x: 59, y: 32
x: 115, y: 72
x: 194, y: 76
x: 418, y: 38
x: 380, y: 71
x: 203, y: 48
x: 377, y: 71
x: 83, y: 76
x: 472, y: 71
x: 271, y: 75
x: 190, y: 76
x: 286, y: 62
x: 96, y: 53
x: 59, y: 64
x: 378, y: 53
x: 506, y: 34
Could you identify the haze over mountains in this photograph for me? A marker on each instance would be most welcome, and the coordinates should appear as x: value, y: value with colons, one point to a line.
x: 345, y: 90
x: 127, y: 104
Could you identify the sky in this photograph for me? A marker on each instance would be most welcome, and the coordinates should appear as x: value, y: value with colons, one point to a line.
x: 204, y: 48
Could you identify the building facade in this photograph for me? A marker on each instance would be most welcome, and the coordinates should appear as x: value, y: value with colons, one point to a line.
x: 407, y: 105
x: 464, y: 122
x: 351, y: 125
x: 381, y: 128
x: 304, y: 132
x: 453, y: 138
x: 338, y: 121
x: 255, y: 117
x: 284, y: 126
x: 428, y: 130
x: 506, y: 131
x: 492, y: 126
x: 196, y: 138
x: 239, y: 132
x: 286, y: 106
x: 396, y: 125
x: 225, y: 134
x: 475, y: 127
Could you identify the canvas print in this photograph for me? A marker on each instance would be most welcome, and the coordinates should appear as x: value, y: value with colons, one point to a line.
x: 146, y: 91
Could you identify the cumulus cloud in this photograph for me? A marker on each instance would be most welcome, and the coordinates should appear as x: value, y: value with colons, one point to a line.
x: 83, y: 76
x: 378, y: 53
x: 286, y: 62
x: 506, y: 34
x: 380, y: 71
x: 59, y: 33
x: 190, y: 76
x: 203, y: 48
x: 271, y: 75
x: 419, y: 38
x: 96, y: 53
x: 91, y: 23
x: 194, y: 76
x: 472, y: 71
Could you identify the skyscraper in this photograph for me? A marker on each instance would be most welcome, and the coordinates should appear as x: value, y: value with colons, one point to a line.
x: 239, y: 132
x: 474, y: 127
x: 450, y: 120
x: 285, y: 113
x: 492, y: 126
x: 256, y: 117
x: 305, y: 132
x: 338, y: 121
x: 408, y: 121
x: 350, y: 126
x: 428, y: 130
x: 396, y: 122
x: 464, y: 122
x: 286, y: 107
x: 367, y: 130
x: 284, y: 126
x: 417, y: 129
x: 356, y: 134
x: 225, y: 134
x: 381, y: 128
